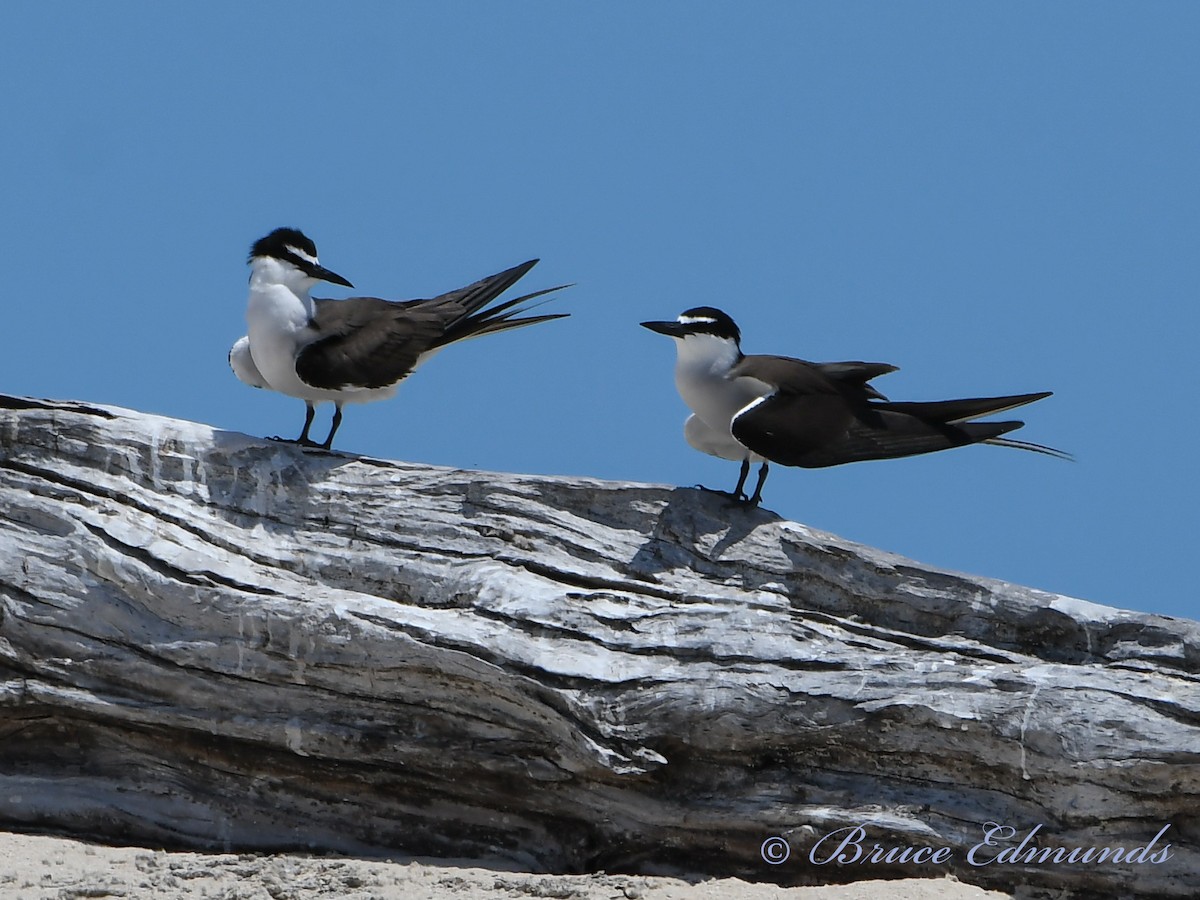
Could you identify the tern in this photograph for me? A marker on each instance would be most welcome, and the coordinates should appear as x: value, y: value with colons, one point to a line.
x: 358, y: 349
x: 776, y: 409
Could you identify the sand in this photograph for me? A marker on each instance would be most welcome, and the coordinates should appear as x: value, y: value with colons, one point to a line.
x: 37, y: 867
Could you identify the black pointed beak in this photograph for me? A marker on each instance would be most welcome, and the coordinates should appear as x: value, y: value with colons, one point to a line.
x: 327, y: 275
x: 670, y: 329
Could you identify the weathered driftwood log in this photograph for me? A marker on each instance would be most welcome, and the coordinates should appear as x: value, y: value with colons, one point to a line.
x: 215, y: 641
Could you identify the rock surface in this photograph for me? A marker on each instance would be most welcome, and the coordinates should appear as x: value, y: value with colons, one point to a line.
x: 213, y: 641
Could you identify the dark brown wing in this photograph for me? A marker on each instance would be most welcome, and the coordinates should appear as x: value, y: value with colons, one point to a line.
x: 962, y: 410
x: 806, y: 411
x: 371, y: 343
x: 857, y: 373
x: 823, y: 414
x: 795, y: 431
x: 798, y: 376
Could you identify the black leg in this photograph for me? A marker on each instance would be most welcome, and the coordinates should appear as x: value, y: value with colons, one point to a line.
x: 762, y: 478
x: 739, y: 492
x: 309, y: 412
x: 337, y: 420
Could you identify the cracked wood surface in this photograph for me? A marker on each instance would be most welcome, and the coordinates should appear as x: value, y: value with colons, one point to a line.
x: 215, y: 641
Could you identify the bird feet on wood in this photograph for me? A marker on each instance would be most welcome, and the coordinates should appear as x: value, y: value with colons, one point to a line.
x: 734, y: 497
x: 301, y: 442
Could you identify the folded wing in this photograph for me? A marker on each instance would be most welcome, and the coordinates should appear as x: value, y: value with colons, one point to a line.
x: 826, y: 414
x: 371, y: 343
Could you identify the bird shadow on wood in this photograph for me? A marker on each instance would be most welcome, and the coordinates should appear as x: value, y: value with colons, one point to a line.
x: 694, y: 530
x: 271, y: 482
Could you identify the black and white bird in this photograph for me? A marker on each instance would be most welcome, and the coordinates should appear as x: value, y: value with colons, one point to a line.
x: 775, y: 409
x: 358, y: 349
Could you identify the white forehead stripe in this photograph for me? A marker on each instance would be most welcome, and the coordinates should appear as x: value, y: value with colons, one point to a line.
x: 307, y: 257
x: 696, y: 320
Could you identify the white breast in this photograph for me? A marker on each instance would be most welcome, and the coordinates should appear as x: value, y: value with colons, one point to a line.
x: 701, y: 369
x: 277, y: 325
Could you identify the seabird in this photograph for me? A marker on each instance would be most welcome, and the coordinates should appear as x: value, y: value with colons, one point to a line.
x: 775, y: 409
x: 358, y: 349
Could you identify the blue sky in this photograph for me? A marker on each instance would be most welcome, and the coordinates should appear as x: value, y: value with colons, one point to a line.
x: 997, y: 197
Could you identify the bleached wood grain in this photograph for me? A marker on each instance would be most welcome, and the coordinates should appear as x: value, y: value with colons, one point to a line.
x: 215, y: 641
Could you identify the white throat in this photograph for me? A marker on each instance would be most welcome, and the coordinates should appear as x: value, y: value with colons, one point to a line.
x: 702, y: 367
x: 278, y: 312
x: 266, y: 273
x: 705, y: 355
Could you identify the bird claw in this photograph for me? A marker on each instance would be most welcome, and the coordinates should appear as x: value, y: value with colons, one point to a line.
x: 738, y: 497
x: 302, y: 442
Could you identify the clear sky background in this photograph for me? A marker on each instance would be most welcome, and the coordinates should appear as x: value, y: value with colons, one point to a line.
x: 997, y: 197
